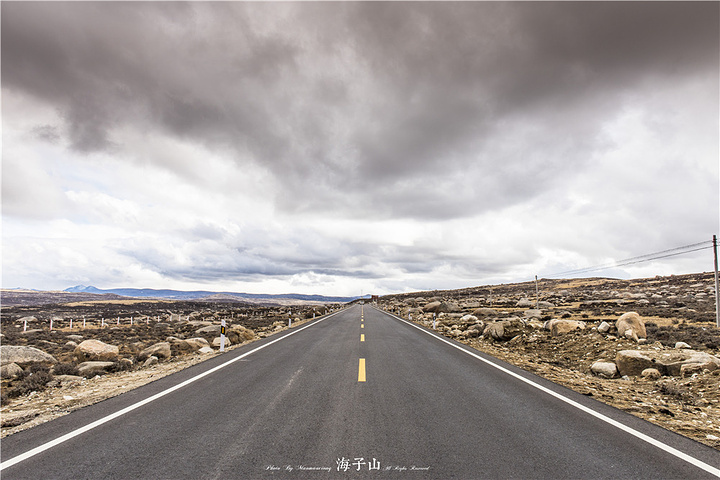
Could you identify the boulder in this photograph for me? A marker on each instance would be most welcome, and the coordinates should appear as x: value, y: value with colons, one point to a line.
x: 680, y: 345
x: 432, y: 307
x: 10, y: 370
x: 604, y: 369
x: 651, y: 374
x: 633, y: 362
x: 197, y: 343
x: 216, y: 342
x: 604, y: 327
x: 672, y: 363
x: 532, y: 313
x: 240, y: 334
x: 206, y: 350
x: 561, y: 327
x: 74, y: 338
x: 95, y: 350
x: 160, y: 350
x: 525, y: 303
x: 485, y: 312
x: 24, y: 356
x: 543, y: 304
x: 468, y: 319
x: 209, y: 330
x: 630, y: 325
x: 90, y: 368
x: 151, y: 360
x: 504, y: 330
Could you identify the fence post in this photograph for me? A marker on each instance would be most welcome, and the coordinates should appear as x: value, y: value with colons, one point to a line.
x: 51, y: 322
x: 83, y: 321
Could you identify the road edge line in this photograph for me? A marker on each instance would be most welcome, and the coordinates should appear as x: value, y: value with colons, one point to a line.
x: 646, y: 438
x: 53, y: 443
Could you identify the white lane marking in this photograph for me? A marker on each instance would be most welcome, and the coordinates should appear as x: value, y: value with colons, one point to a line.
x: 657, y: 443
x: 97, y: 423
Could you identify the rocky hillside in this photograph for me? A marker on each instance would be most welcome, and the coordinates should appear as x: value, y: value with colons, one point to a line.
x: 647, y: 346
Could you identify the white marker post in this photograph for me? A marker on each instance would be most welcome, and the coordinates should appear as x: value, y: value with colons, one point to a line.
x: 222, y: 335
x: 51, y: 322
x: 25, y: 325
x: 434, y: 320
x: 71, y: 324
x: 118, y: 321
x: 290, y: 321
x: 102, y: 322
x: 83, y: 321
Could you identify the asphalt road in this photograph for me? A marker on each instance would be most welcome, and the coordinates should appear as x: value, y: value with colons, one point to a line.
x: 358, y: 394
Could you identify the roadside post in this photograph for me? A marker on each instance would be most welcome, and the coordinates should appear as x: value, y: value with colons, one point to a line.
x: 717, y: 283
x: 434, y: 318
x: 51, y: 322
x: 70, y: 323
x: 222, y: 335
x: 83, y: 321
x: 25, y: 325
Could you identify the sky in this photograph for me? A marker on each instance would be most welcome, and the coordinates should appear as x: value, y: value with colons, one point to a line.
x: 354, y: 147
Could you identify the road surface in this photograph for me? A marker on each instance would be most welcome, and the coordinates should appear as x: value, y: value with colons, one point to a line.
x: 357, y: 394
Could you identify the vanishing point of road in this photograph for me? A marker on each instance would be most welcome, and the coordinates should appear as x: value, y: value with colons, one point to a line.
x: 355, y: 394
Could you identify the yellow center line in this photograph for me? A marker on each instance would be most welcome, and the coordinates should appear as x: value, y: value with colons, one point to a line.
x: 362, y: 337
x: 361, y: 370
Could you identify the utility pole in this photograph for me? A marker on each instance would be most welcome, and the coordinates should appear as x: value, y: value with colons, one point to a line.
x: 717, y: 284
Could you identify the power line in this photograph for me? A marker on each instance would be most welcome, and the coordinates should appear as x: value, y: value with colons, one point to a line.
x: 694, y: 247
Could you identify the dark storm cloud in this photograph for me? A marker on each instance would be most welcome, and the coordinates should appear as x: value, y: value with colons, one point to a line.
x: 393, y: 101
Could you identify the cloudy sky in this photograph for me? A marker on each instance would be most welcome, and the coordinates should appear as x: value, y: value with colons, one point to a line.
x: 341, y: 148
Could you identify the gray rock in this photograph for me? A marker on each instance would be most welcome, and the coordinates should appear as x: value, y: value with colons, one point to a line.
x: 10, y: 370
x: 209, y: 330
x: 604, y: 369
x: 206, y: 350
x: 24, y: 356
x: 160, y: 350
x: 633, y: 362
x: 680, y: 345
x: 151, y: 360
x: 525, y: 303
x: 504, y: 330
x: 651, y: 374
x: 90, y: 368
x: 631, y: 326
x: 95, y: 350
x: 604, y: 327
x: 485, y: 312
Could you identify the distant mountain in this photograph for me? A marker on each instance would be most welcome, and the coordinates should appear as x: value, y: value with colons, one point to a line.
x: 204, y: 294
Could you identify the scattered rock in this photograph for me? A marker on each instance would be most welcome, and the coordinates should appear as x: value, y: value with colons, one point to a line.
x: 604, y: 327
x: 485, y: 312
x: 216, y: 342
x: 206, y: 350
x: 209, y: 330
x: 10, y: 370
x: 504, y: 330
x: 631, y: 326
x: 160, y: 350
x: 604, y: 369
x: 680, y: 345
x: 95, y: 350
x: 561, y: 327
x: 651, y: 374
x: 151, y: 360
x: 633, y: 362
x: 90, y: 368
x: 24, y: 356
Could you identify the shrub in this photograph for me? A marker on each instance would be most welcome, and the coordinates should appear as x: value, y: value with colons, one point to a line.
x: 66, y: 369
x: 34, y: 381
